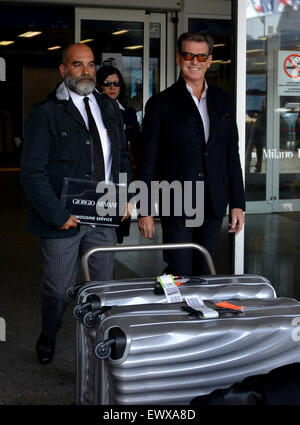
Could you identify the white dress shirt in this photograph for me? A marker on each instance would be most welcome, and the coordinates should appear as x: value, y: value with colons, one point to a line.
x: 105, y: 142
x: 202, y: 108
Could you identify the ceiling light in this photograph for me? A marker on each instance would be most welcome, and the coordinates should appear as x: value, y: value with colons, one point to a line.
x: 138, y: 46
x: 6, y: 43
x: 120, y: 32
x: 259, y: 63
x: 255, y: 50
x: 88, y: 40
x: 54, y: 48
x: 219, y: 45
x: 30, y: 34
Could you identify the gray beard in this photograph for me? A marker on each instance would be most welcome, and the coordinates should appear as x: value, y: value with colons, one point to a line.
x: 83, y: 88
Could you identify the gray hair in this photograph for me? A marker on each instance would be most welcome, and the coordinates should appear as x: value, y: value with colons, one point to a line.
x: 195, y: 36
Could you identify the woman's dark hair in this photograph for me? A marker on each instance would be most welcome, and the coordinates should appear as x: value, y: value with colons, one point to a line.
x: 104, y: 72
x: 195, y: 36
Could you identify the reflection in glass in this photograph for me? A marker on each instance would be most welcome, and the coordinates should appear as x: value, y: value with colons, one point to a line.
x: 220, y: 72
x: 272, y: 133
x: 256, y: 101
x: 154, y: 71
x: 119, y: 44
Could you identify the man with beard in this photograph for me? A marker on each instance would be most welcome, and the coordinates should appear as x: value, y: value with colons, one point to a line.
x: 59, y: 142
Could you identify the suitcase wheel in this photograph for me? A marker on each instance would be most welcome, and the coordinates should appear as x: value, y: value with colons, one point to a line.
x: 71, y: 293
x: 103, y: 350
x: 90, y: 319
x: 77, y: 312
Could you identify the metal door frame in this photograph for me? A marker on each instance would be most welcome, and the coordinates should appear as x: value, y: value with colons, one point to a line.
x: 133, y: 16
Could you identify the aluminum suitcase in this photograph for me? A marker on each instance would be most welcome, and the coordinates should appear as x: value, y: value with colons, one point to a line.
x: 94, y: 298
x: 96, y: 295
x: 168, y: 354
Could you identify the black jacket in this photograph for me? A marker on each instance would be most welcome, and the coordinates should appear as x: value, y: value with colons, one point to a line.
x: 132, y: 130
x: 57, y: 145
x: 172, y: 145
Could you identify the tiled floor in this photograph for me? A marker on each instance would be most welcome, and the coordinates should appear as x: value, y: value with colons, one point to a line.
x: 272, y: 244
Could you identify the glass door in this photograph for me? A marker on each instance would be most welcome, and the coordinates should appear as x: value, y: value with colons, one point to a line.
x: 220, y: 72
x: 272, y: 107
x: 133, y: 41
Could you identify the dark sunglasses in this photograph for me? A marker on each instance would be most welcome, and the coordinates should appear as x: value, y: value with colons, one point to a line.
x: 201, y: 57
x: 112, y: 83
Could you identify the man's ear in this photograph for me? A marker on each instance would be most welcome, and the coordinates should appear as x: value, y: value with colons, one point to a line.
x: 62, y: 70
x: 209, y: 61
x: 178, y: 58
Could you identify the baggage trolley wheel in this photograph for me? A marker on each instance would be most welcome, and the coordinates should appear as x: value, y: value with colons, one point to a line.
x: 103, y: 349
x: 90, y: 319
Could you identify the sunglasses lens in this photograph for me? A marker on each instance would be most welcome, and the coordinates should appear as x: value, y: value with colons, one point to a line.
x: 187, y: 56
x: 201, y: 58
x: 109, y: 84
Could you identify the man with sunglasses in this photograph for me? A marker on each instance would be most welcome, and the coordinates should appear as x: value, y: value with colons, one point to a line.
x: 189, y: 134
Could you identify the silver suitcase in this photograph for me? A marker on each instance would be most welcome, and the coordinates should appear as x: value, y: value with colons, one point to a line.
x: 169, y: 354
x: 95, y: 297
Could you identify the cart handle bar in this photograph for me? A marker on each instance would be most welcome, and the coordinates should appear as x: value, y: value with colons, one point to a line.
x: 126, y: 248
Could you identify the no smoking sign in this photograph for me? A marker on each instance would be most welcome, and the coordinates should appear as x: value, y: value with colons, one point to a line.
x: 292, y: 66
x: 288, y: 73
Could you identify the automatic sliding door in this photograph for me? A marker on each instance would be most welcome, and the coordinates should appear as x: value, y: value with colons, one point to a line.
x: 131, y: 40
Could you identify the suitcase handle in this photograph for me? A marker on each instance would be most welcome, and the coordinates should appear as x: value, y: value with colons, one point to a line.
x: 126, y: 248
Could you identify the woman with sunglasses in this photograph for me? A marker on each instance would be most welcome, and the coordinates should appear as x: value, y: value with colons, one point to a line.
x: 110, y: 82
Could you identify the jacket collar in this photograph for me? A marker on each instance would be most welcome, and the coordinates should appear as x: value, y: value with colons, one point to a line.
x: 62, y: 92
x: 212, y: 107
x: 62, y: 95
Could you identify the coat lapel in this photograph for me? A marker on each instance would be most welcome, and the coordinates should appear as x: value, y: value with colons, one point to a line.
x: 62, y: 95
x: 72, y: 110
x: 189, y: 107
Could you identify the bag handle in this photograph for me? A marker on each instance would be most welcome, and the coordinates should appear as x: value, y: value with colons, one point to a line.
x: 126, y: 248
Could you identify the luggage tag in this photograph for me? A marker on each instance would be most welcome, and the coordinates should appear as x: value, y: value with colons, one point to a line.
x: 230, y: 306
x: 225, y: 308
x: 179, y: 281
x: 197, y: 306
x: 170, y: 288
x: 189, y: 281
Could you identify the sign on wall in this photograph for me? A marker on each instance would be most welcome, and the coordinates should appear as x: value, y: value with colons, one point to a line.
x: 288, y: 73
x: 114, y: 59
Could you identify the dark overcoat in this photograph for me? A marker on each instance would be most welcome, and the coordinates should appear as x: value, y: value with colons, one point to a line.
x: 57, y: 145
x: 173, y: 145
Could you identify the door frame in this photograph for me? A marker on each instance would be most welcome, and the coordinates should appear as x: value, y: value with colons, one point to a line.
x: 133, y: 16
